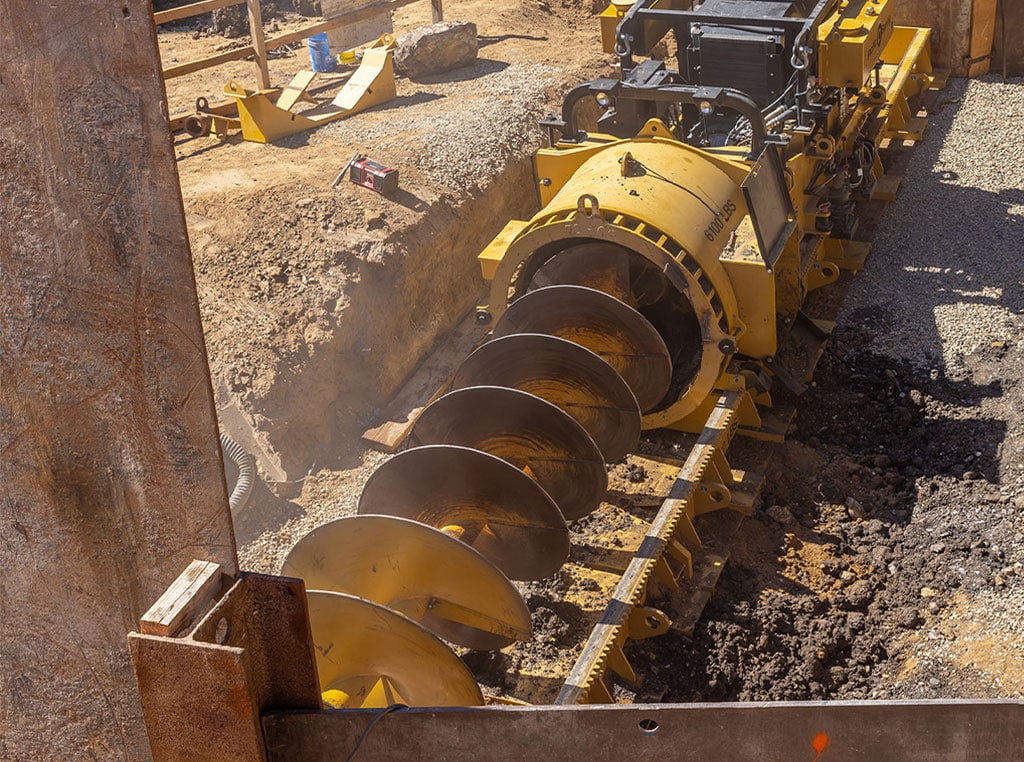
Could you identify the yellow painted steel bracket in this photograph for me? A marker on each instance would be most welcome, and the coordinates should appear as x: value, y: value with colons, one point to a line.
x: 264, y: 120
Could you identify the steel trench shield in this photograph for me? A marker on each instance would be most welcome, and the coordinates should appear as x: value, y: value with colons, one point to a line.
x: 566, y: 375
x: 362, y: 647
x: 501, y: 512
x: 528, y: 432
x: 435, y: 580
x: 616, y: 332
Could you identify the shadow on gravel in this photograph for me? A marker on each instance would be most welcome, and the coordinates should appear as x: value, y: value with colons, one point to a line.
x: 481, y: 68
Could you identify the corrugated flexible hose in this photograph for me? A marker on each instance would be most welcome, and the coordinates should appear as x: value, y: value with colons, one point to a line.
x: 246, y: 471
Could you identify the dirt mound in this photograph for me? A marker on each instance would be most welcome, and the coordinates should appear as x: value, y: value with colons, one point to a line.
x: 882, y: 516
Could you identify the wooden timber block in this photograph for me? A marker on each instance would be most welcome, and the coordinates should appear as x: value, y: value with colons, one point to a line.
x: 358, y: 33
x: 886, y: 187
x: 199, y: 584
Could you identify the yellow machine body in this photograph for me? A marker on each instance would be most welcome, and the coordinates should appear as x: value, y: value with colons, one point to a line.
x: 683, y: 209
x: 851, y: 41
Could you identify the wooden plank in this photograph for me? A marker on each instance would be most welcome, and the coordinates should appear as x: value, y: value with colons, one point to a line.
x: 424, y: 385
x: 202, y: 694
x: 236, y: 54
x: 983, y: 28
x: 192, y: 9
x: 273, y: 43
x: 259, y: 42
x: 197, y: 585
x: 109, y: 455
x: 353, y: 35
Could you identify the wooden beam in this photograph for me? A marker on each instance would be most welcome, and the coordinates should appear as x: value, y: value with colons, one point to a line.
x: 259, y: 43
x: 273, y: 43
x: 109, y: 455
x: 436, y: 10
x: 193, y: 9
x: 210, y: 61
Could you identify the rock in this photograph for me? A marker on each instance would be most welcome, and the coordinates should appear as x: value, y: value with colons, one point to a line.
x: 781, y: 514
x: 938, y: 547
x: 859, y: 594
x: 875, y: 527
x: 436, y: 48
x: 927, y: 592
x: 934, y: 683
x: 934, y: 607
x: 908, y: 618
x: 972, y: 475
x: 854, y: 508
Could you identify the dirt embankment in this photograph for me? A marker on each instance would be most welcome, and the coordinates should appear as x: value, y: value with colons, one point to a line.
x: 316, y: 302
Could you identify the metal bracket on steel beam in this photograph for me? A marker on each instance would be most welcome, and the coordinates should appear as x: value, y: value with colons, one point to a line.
x: 208, y: 662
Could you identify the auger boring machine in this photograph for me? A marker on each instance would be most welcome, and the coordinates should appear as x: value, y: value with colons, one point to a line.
x: 659, y: 286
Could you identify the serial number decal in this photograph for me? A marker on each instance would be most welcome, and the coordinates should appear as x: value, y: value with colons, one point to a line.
x: 718, y: 224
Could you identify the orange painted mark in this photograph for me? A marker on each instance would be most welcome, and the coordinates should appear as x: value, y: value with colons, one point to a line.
x: 819, y: 744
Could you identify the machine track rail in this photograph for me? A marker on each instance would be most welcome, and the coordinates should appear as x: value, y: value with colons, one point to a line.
x: 705, y: 483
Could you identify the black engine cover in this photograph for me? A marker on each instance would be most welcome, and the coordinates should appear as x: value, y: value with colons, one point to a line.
x: 747, y: 59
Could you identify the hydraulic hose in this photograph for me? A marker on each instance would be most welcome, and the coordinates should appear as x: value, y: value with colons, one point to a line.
x: 246, y: 472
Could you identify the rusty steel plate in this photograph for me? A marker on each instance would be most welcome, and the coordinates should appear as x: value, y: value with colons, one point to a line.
x: 418, y: 570
x: 370, y: 656
x: 565, y: 374
x: 487, y: 502
x: 528, y: 432
x: 616, y: 332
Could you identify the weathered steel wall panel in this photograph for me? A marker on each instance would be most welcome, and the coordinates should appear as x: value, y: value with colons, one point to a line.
x: 870, y: 731
x: 109, y: 461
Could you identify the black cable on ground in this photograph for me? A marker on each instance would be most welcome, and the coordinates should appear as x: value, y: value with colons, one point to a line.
x: 369, y: 727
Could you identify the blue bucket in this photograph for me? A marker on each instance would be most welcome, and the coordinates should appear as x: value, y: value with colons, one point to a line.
x: 320, y: 53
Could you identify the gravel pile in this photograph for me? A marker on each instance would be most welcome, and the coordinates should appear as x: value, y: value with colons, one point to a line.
x: 946, y: 272
x: 263, y: 542
x: 498, y: 125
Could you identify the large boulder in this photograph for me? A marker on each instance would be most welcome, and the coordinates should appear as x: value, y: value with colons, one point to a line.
x: 436, y: 48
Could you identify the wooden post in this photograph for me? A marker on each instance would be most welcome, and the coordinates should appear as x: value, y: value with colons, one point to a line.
x: 112, y: 480
x: 259, y: 42
x: 437, y: 10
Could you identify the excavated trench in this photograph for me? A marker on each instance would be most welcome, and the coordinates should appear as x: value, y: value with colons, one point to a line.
x: 397, y: 296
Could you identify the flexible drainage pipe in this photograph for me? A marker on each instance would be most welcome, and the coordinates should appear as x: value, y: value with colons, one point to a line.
x: 246, y: 472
